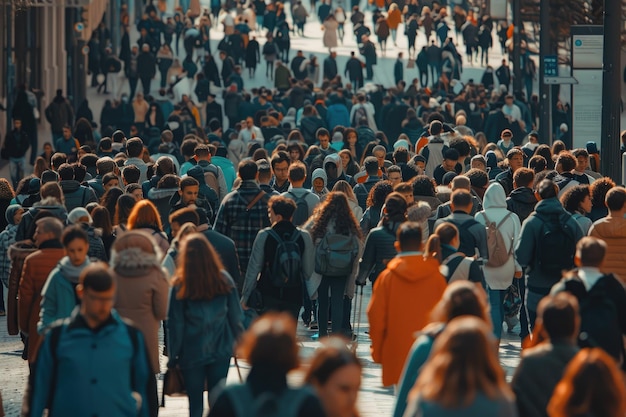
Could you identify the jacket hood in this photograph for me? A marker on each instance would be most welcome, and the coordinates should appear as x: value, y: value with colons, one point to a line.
x: 523, y: 195
x: 133, y: 262
x: 320, y: 173
x: 11, y: 210
x: 419, y: 212
x: 336, y: 159
x: 494, y: 197
x: 69, y: 186
x: 71, y: 272
x: 550, y: 206
x: 492, y: 159
x: 413, y: 268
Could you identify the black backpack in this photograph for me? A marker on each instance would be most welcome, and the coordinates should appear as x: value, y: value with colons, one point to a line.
x: 556, y: 247
x: 599, y: 321
x: 301, y: 215
x: 467, y: 243
x: 285, y: 271
x: 359, y: 113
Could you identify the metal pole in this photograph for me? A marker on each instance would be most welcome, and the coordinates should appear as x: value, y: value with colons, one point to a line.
x: 10, y: 75
x: 610, y: 93
x: 115, y: 26
x: 517, y: 64
x: 545, y: 48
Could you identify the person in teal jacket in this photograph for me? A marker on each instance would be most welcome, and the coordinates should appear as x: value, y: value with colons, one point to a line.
x: 92, y: 363
x: 59, y: 292
x: 461, y: 298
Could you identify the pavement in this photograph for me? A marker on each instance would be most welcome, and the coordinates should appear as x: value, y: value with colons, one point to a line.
x: 374, y: 399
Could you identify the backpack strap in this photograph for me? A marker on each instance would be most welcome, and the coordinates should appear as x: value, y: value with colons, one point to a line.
x: 255, y: 200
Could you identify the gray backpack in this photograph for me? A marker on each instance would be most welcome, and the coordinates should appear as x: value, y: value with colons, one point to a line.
x: 335, y: 255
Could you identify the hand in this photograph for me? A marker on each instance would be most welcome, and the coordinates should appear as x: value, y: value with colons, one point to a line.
x: 361, y: 283
x: 518, y: 274
x: 244, y: 307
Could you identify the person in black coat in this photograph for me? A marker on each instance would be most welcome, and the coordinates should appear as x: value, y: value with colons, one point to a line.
x: 422, y: 66
x: 23, y: 110
x: 296, y: 63
x: 330, y: 66
x: 210, y: 70
x: 146, y: 68
x: 434, y: 61
x: 368, y: 50
x: 354, y: 71
x: 398, y: 69
x: 253, y: 56
x: 283, y: 40
x: 228, y: 67
x: 14, y: 149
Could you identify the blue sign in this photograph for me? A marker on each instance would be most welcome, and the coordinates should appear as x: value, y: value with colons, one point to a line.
x: 550, y: 66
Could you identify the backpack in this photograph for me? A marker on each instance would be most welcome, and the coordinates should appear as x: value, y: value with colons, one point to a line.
x: 335, y: 255
x: 211, y: 178
x: 286, y: 268
x: 467, y: 241
x: 359, y: 113
x: 301, y: 215
x: 498, y: 252
x: 458, y: 267
x: 556, y: 247
x: 599, y: 322
x: 267, y: 404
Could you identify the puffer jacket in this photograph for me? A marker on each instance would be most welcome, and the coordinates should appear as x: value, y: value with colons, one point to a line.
x: 379, y: 250
x: 613, y: 231
x: 494, y: 203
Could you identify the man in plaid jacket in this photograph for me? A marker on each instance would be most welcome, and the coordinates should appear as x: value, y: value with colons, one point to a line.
x: 243, y: 213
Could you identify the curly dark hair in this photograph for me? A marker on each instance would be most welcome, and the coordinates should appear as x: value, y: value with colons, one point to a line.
x: 573, y: 196
x: 598, y: 191
x: 334, y: 209
x: 379, y: 193
x: 423, y: 185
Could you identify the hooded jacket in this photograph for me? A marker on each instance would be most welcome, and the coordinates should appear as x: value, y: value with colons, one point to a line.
x: 492, y: 165
x: 379, y: 250
x: 613, y: 231
x: 142, y: 293
x: 527, y: 246
x: 76, y: 195
x: 521, y: 201
x: 494, y: 204
x: 58, y: 297
x: 336, y: 159
x: 410, y: 286
x: 320, y: 173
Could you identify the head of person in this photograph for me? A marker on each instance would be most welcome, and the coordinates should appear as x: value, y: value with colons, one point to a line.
x: 558, y: 319
x: 134, y: 147
x: 479, y: 162
x: 461, y: 200
x: 46, y: 229
x: 615, y: 200
x: 280, y: 166
x: 590, y: 252
x: 181, y: 217
x: 189, y: 188
x: 380, y: 153
x: 271, y: 342
x: 280, y: 208
x: 462, y: 298
x: 323, y: 138
x: 335, y: 374
x: 523, y: 177
x: 565, y: 162
x: 515, y: 158
x: 409, y: 237
x: 462, y: 364
x: 582, y: 159
x: 67, y: 132
x: 144, y: 215
x: 110, y: 180
x: 546, y: 189
x: 394, y: 175
x: 395, y: 208
x: 577, y: 199
x: 76, y: 243
x: 297, y: 174
x: 592, y: 384
x: 247, y: 170
x: 199, y: 274
x: 96, y: 290
x: 406, y: 189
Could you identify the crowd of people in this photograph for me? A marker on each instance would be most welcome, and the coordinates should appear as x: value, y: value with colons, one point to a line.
x: 234, y: 223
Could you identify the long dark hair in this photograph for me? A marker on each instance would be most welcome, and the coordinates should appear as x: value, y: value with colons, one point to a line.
x: 334, y: 208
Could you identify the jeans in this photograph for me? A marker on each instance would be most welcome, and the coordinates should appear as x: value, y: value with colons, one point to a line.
x: 132, y: 81
x: 16, y: 168
x: 337, y: 286
x: 496, y: 304
x: 32, y: 134
x: 394, y: 35
x: 276, y: 304
x: 145, y: 84
x: 195, y: 379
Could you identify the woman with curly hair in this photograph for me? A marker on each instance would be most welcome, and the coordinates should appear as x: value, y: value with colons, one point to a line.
x: 6, y: 196
x: 333, y: 216
x: 374, y: 204
x: 591, y: 386
x: 546, y: 152
x: 351, y: 142
x: 424, y: 190
x: 598, y: 191
x: 345, y: 188
x: 577, y: 201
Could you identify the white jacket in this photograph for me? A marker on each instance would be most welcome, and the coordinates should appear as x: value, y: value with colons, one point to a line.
x: 494, y: 207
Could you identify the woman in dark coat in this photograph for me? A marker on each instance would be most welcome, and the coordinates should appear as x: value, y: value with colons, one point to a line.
x: 108, y: 115
x: 24, y: 111
x: 253, y: 56
x: 84, y: 111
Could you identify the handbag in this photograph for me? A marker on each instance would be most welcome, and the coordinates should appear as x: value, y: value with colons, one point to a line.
x: 173, y: 383
x: 255, y: 301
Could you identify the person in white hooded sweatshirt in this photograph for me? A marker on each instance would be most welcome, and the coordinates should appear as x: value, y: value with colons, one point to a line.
x: 500, y: 278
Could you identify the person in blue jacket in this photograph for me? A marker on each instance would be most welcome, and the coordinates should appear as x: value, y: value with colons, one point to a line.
x: 92, y: 363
